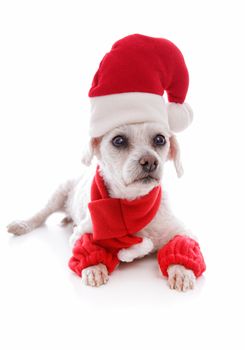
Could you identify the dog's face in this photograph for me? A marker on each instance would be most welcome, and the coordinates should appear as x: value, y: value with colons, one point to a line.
x: 132, y: 158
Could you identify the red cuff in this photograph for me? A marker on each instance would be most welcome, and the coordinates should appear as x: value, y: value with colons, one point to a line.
x: 181, y: 250
x: 87, y: 253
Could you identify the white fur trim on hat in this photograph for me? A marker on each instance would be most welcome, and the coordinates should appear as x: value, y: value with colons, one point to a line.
x: 111, y: 111
x: 180, y: 116
x: 114, y: 110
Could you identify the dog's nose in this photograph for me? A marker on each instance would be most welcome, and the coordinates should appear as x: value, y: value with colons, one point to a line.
x: 149, y: 163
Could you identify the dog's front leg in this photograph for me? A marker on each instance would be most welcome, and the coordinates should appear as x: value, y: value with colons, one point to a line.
x: 181, y: 261
x: 85, y: 226
x: 179, y: 255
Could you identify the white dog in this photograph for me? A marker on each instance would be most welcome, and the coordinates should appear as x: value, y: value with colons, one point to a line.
x: 131, y: 159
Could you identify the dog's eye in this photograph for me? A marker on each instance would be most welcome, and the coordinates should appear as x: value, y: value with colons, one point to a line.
x: 159, y: 140
x: 119, y: 141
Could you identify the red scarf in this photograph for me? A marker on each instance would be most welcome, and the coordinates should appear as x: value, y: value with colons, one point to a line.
x: 115, y: 217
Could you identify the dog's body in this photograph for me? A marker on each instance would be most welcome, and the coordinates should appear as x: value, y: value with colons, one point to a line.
x: 123, y: 177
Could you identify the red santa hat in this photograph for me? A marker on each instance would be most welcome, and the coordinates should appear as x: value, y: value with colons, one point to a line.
x: 129, y: 85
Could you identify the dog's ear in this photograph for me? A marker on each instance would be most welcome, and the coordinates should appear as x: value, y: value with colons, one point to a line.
x: 89, y: 151
x: 174, y: 154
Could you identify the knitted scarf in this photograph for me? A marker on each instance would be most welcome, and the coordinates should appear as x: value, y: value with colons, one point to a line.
x: 115, y: 217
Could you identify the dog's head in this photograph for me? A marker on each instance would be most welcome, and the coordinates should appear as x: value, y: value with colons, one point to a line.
x: 132, y: 157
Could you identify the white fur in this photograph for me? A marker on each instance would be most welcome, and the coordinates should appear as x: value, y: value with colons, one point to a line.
x: 121, y: 171
x: 136, y: 251
x: 110, y: 111
x: 85, y: 226
x: 180, y: 278
x: 95, y: 276
x: 180, y: 116
x: 55, y: 203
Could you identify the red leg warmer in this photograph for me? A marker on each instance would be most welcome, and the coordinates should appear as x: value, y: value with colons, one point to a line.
x: 181, y: 250
x: 88, y: 252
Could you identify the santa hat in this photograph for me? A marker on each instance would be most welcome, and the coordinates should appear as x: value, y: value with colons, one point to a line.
x: 130, y: 82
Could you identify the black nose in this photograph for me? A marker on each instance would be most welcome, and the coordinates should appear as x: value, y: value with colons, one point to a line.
x: 149, y: 163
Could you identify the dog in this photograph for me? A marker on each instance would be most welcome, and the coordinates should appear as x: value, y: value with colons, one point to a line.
x: 132, y: 135
x: 130, y: 170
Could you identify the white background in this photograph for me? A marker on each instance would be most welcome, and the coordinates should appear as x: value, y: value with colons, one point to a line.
x: 49, y: 52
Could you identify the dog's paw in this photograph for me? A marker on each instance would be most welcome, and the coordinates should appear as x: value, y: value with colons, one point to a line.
x: 19, y: 227
x: 180, y: 278
x: 95, y: 276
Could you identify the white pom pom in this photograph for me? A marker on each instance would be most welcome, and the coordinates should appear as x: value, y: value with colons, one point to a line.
x: 180, y: 116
